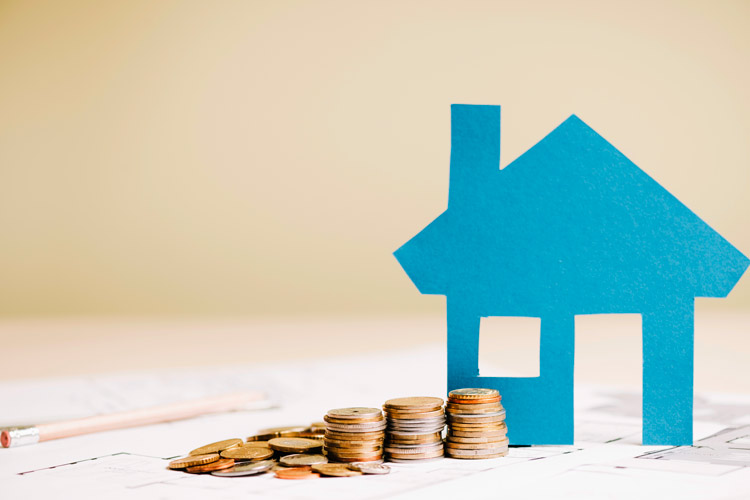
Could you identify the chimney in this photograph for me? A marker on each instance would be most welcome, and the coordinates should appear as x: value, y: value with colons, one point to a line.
x: 475, y: 149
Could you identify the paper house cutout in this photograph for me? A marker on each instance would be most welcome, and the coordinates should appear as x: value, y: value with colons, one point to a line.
x: 570, y: 227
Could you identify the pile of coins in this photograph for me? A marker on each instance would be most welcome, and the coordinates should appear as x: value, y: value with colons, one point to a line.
x: 352, y: 441
x: 354, y: 435
x: 476, y: 424
x: 414, y: 428
x: 223, y: 458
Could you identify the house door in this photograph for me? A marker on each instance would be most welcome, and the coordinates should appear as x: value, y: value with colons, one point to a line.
x: 608, y: 377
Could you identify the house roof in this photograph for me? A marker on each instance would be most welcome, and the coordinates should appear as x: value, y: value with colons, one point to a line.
x: 571, y: 222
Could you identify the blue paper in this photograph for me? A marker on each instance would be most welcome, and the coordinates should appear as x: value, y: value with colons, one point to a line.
x: 570, y: 227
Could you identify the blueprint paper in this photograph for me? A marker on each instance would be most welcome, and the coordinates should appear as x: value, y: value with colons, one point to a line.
x: 571, y: 227
x: 606, y: 459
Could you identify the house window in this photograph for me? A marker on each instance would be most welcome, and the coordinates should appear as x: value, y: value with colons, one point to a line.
x: 509, y: 346
x: 609, y: 350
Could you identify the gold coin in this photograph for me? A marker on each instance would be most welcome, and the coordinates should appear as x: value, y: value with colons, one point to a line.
x: 403, y: 436
x: 376, y: 458
x: 500, y: 431
x: 475, y: 400
x: 477, y: 431
x: 471, y: 405
x: 279, y: 430
x: 193, y: 460
x: 471, y: 393
x: 355, y: 413
x: 257, y: 444
x: 302, y: 460
x: 396, y: 443
x: 348, y: 446
x: 476, y: 446
x: 224, y: 463
x: 392, y: 415
x: 274, y: 432
x: 357, y: 427
x: 480, y: 426
x: 347, y: 421
x: 416, y: 456
x: 335, y: 470
x: 471, y: 411
x: 482, y: 439
x: 260, y: 437
x: 477, y: 457
x: 351, y: 452
x: 370, y: 468
x: 248, y: 453
x: 294, y: 445
x: 358, y: 436
x: 477, y: 425
x: 354, y: 454
x: 413, y: 403
x: 216, y: 447
x: 460, y: 453
x: 296, y: 473
x: 475, y: 419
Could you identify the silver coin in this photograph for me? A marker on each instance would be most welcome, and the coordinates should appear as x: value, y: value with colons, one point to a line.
x: 417, y: 420
x: 439, y: 425
x: 246, y: 469
x: 413, y: 431
x: 370, y: 468
x: 414, y: 451
x: 397, y: 423
x: 435, y: 444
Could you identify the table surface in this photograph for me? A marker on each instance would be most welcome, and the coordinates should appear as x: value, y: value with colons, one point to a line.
x: 606, y: 459
x: 608, y: 347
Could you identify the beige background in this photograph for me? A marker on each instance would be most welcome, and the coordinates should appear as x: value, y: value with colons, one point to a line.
x: 190, y: 183
x: 266, y: 158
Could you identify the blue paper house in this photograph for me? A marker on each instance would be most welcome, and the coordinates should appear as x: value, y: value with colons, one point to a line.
x: 570, y: 227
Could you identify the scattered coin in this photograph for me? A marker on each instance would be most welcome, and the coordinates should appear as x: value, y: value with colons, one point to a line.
x: 247, y: 453
x: 281, y: 431
x: 370, y: 468
x: 257, y: 444
x: 294, y: 445
x: 302, y: 460
x: 223, y: 463
x: 246, y: 469
x: 216, y: 447
x: 335, y: 470
x: 274, y: 432
x: 193, y: 460
x: 296, y: 474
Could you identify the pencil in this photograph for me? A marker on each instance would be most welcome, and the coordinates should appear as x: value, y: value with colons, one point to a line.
x: 20, y: 436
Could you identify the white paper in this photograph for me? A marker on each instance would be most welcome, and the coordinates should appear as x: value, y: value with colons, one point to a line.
x: 607, y: 460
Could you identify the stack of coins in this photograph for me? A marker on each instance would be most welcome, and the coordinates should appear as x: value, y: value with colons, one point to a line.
x: 415, y: 427
x: 476, y: 424
x: 354, y: 435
